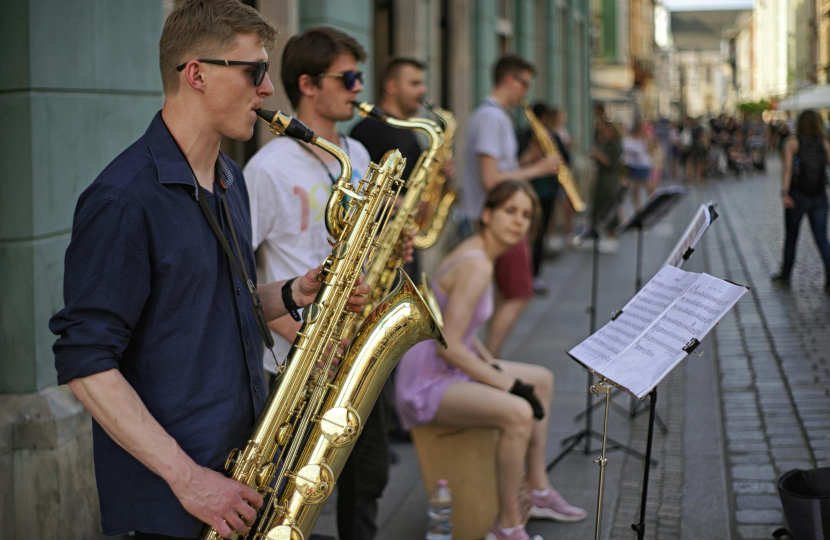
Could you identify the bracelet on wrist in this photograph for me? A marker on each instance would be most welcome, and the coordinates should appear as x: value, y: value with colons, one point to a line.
x: 288, y: 300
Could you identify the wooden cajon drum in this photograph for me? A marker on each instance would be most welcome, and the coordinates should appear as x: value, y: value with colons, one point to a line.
x: 466, y: 458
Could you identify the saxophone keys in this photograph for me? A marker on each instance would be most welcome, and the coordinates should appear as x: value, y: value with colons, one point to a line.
x: 311, y: 312
x: 314, y: 483
x: 285, y: 532
x: 340, y: 426
x: 232, y: 459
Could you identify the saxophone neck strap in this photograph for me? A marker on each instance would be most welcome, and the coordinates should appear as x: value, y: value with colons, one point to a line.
x: 237, y: 262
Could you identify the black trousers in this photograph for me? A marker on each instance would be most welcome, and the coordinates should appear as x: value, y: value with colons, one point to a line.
x: 365, y: 475
x: 539, y: 241
x: 816, y: 210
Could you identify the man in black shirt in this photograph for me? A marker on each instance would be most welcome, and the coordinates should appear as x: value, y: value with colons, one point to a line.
x: 402, y: 89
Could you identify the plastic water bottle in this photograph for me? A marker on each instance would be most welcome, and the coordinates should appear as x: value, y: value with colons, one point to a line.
x: 440, y: 513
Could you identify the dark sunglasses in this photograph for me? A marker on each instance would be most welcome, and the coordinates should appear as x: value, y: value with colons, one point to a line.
x: 261, y: 68
x: 349, y: 78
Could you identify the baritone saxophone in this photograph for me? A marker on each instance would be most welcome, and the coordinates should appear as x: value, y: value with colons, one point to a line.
x: 566, y: 179
x: 437, y: 197
x: 307, y: 428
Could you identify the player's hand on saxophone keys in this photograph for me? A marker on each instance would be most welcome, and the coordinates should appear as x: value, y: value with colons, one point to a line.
x: 227, y: 505
x: 548, y: 165
x: 306, y: 286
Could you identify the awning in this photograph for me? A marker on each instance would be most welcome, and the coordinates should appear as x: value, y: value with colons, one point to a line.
x: 812, y: 97
x: 609, y: 95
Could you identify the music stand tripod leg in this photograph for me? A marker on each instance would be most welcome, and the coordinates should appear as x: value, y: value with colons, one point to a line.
x: 640, y: 527
x: 602, y: 387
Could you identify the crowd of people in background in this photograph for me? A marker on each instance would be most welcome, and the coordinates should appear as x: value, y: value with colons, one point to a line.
x: 641, y: 154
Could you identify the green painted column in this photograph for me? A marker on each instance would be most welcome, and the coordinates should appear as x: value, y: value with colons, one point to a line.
x: 609, y: 30
x: 355, y: 17
x: 524, y: 31
x: 79, y: 83
x: 552, y: 45
x: 484, y: 47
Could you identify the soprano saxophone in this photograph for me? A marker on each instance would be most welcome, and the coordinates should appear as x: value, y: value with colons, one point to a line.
x: 381, y: 271
x: 566, y: 179
x: 437, y: 197
x: 312, y: 421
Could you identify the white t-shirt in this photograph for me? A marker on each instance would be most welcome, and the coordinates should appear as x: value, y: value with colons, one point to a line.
x: 490, y: 132
x: 289, y: 189
x: 635, y: 153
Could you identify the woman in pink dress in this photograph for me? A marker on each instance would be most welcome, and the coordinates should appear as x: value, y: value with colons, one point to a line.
x: 464, y: 386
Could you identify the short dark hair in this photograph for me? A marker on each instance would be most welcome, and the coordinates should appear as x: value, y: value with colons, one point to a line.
x: 311, y: 53
x: 504, y: 191
x: 393, y: 69
x: 809, y: 124
x: 203, y: 28
x: 512, y: 64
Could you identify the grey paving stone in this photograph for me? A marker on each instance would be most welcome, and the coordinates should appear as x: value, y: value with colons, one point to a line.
x: 753, y: 472
x: 754, y: 488
x: 759, y: 516
x: 754, y: 532
x: 758, y: 502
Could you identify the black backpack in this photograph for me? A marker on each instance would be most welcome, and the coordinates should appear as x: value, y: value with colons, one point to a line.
x: 810, y: 176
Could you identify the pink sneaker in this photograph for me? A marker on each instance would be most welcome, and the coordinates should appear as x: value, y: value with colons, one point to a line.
x: 518, y: 534
x: 553, y: 506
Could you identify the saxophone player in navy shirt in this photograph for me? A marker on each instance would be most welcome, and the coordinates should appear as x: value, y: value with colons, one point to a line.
x: 158, y: 337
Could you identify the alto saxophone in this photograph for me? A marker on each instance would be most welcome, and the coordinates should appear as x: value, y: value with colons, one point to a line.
x: 566, y: 179
x: 381, y: 271
x: 311, y: 420
x: 437, y: 196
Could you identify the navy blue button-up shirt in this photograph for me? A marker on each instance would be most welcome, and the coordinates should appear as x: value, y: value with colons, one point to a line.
x: 149, y: 291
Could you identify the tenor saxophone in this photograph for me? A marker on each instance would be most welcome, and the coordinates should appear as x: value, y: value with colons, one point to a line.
x: 437, y: 197
x: 312, y: 421
x: 566, y: 179
x: 381, y: 271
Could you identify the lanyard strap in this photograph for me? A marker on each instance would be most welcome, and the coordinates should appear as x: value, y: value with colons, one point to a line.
x: 239, y: 265
x: 318, y: 158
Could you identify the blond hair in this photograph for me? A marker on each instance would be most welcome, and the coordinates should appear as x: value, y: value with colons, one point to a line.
x: 202, y: 28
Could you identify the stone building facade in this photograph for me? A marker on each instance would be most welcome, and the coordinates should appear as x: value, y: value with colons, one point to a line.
x: 80, y: 83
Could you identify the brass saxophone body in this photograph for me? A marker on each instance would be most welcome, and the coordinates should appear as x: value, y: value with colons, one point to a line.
x: 381, y: 271
x: 566, y: 179
x: 311, y: 421
x: 437, y: 195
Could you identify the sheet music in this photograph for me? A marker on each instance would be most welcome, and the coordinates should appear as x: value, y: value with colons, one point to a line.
x: 636, y: 354
x: 637, y: 315
x: 692, y: 235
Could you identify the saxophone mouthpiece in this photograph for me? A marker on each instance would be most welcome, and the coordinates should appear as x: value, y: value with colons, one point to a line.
x: 282, y: 124
x: 367, y: 109
x: 428, y: 103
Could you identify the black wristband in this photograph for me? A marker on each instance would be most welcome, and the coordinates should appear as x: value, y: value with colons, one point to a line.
x: 288, y: 300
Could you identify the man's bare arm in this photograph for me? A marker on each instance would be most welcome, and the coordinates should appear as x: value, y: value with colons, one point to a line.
x: 303, y: 290
x: 204, y: 493
x: 491, y: 175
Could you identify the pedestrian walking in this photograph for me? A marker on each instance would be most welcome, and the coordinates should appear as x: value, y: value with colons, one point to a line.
x: 607, y: 156
x: 637, y: 159
x: 803, y: 191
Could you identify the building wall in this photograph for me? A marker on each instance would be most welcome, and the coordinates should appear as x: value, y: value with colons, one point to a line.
x: 73, y: 95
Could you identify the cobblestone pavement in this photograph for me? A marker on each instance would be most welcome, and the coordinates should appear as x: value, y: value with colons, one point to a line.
x: 772, y: 354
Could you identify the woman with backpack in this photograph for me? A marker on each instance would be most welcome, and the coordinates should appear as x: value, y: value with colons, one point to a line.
x: 806, y: 156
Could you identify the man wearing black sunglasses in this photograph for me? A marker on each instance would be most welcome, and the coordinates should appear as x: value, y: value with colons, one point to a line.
x: 160, y: 338
x: 289, y: 183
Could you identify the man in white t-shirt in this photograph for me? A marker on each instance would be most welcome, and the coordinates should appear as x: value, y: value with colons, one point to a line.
x: 289, y: 183
x: 491, y: 156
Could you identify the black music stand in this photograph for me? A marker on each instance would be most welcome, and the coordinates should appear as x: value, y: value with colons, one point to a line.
x: 585, y: 434
x: 653, y: 210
